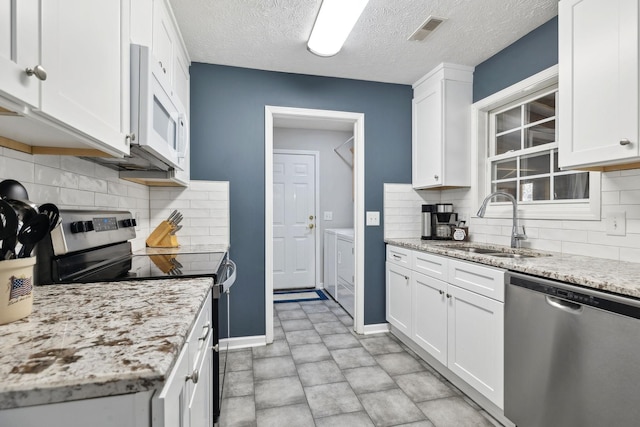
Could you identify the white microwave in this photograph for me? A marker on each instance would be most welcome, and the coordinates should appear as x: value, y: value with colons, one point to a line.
x: 158, y: 119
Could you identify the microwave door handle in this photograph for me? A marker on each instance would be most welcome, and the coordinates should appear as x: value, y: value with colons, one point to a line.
x: 183, y: 129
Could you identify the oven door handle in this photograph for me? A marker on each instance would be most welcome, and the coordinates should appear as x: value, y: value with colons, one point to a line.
x: 230, y: 278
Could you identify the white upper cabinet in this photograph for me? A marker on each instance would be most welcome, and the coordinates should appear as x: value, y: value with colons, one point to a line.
x: 163, y: 42
x: 19, y: 49
x: 85, y: 51
x: 64, y: 68
x: 598, y: 83
x: 442, y: 128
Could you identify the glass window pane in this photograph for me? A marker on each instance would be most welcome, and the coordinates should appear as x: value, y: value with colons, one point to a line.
x: 535, y: 164
x: 555, y: 161
x: 540, y: 109
x: 509, y: 187
x: 508, y: 120
x: 508, y: 142
x: 574, y: 186
x: 534, y: 189
x: 540, y: 134
x: 504, y: 169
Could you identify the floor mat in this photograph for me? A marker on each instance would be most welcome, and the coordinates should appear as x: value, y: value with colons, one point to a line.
x: 298, y: 295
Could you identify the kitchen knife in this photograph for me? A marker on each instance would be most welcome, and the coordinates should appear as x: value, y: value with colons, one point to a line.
x: 173, y: 214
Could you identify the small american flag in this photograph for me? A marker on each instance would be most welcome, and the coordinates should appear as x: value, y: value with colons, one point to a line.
x: 20, y: 286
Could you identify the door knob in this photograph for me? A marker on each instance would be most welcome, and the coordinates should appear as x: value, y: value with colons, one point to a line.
x: 625, y: 142
x: 310, y: 226
x: 37, y: 71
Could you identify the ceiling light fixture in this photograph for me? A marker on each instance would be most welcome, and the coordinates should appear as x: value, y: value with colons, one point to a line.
x: 334, y: 22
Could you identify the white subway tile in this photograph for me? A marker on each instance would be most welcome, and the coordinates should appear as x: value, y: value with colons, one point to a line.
x: 92, y: 184
x: 598, y: 251
x: 77, y: 165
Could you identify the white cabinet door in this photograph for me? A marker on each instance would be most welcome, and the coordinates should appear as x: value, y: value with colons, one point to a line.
x: 181, y: 80
x: 200, y: 404
x: 19, y: 49
x: 427, y: 134
x: 163, y: 43
x: 85, y: 51
x: 598, y: 82
x: 430, y: 315
x: 476, y: 342
x: 442, y: 128
x: 170, y: 408
x: 398, y: 304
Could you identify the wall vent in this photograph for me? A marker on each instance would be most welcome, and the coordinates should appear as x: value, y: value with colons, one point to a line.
x: 426, y: 28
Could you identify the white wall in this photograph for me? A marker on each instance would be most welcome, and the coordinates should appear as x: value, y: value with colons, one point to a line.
x: 336, y: 176
x: 75, y: 183
x: 620, y: 192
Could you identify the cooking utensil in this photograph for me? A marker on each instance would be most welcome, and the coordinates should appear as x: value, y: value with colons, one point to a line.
x: 175, y: 230
x: 52, y: 213
x: 31, y: 233
x: 173, y: 214
x: 8, y: 230
x: 12, y: 189
x: 178, y: 219
x: 24, y: 209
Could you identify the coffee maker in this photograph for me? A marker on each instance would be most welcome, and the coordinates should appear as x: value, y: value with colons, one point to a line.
x: 445, y: 220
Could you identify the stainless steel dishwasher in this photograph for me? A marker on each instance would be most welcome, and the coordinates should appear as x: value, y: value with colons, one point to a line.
x: 572, y: 355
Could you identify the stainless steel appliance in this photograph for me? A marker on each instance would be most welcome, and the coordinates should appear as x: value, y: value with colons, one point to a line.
x: 444, y: 223
x: 93, y: 246
x: 571, y: 355
x: 428, y: 221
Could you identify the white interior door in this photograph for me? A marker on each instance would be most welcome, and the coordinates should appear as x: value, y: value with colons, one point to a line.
x: 294, y: 225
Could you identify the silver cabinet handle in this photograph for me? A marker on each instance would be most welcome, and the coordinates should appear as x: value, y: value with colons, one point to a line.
x: 448, y: 296
x: 406, y: 278
x: 194, y: 376
x: 436, y: 177
x: 37, y: 71
x: 625, y: 142
x: 396, y: 256
x: 441, y: 292
x: 206, y: 328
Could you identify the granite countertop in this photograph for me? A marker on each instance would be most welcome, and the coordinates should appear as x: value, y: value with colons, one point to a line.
x: 618, y: 277
x: 94, y: 340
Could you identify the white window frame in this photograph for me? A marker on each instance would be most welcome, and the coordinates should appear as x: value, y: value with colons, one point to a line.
x: 480, y: 134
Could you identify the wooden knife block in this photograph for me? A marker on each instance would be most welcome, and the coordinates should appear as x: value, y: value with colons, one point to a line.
x: 161, y: 237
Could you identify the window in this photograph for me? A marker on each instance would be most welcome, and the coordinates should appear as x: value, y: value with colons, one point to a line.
x: 523, y: 153
x: 516, y: 147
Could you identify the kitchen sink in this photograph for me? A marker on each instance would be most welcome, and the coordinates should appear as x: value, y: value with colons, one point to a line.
x: 496, y: 252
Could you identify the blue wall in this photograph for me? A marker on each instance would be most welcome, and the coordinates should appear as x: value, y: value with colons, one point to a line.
x: 227, y: 137
x: 529, y: 55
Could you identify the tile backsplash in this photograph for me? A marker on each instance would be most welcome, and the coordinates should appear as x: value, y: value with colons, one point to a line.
x: 620, y: 191
x: 75, y: 183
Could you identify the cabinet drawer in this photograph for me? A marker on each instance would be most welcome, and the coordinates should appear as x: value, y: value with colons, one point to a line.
x: 431, y: 265
x: 399, y: 256
x: 476, y: 278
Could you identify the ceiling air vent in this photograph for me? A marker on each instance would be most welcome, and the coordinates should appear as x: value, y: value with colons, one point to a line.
x: 426, y: 28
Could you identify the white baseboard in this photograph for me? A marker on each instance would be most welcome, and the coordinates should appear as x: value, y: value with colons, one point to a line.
x: 243, y: 342
x: 376, y: 328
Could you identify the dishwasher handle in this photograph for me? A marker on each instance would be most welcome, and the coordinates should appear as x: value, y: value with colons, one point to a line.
x: 568, y: 306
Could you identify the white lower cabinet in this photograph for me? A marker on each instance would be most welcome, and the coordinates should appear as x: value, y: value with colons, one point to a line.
x: 457, y: 325
x: 398, y: 304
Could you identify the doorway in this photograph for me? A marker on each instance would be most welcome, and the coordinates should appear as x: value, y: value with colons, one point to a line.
x: 295, y: 213
x: 320, y: 120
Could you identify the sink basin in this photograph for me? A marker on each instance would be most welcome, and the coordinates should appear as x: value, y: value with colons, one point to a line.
x: 507, y: 253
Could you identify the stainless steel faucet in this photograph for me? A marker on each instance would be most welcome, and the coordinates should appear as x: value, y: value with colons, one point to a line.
x: 516, y: 235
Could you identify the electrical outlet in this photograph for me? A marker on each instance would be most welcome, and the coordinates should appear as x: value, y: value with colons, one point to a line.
x: 616, y: 223
x: 373, y: 218
x: 328, y: 216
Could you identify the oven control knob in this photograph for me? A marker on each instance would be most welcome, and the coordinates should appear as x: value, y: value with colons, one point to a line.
x: 88, y: 226
x: 134, y: 223
x: 126, y: 223
x: 77, y: 227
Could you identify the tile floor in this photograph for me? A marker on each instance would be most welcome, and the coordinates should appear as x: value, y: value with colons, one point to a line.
x: 318, y: 372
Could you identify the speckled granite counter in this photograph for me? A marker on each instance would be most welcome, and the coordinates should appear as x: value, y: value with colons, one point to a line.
x: 93, y: 340
x: 599, y: 273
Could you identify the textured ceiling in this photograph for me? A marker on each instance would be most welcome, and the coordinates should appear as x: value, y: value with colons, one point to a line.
x: 272, y: 35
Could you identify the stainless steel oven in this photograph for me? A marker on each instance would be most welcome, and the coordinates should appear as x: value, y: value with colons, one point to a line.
x: 94, y: 246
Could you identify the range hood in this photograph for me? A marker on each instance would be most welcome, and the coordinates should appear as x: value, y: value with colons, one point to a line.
x: 143, y: 168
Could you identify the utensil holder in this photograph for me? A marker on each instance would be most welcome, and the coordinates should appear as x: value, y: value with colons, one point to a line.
x: 16, y: 289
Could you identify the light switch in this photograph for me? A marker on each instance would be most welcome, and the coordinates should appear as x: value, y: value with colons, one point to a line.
x: 373, y: 218
x: 328, y: 216
x: 616, y: 223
